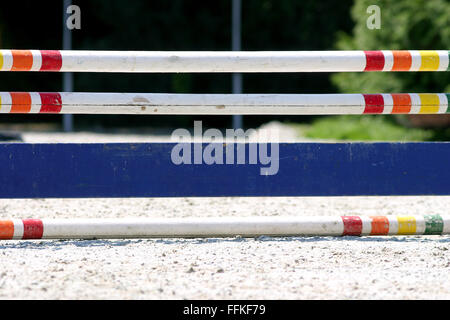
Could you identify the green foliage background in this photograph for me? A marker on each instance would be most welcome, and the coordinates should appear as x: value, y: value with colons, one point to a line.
x: 411, y: 24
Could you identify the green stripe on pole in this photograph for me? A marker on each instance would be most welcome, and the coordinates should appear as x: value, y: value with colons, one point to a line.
x: 448, y: 97
x: 433, y: 224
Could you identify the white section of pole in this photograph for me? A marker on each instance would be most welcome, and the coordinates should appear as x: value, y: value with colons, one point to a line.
x: 216, y: 100
x: 191, y: 227
x: 212, y: 61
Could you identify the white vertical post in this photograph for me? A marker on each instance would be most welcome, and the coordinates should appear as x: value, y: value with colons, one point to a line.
x: 67, y: 76
x: 236, y: 46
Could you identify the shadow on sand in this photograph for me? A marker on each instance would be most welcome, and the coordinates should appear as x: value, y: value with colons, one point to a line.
x: 108, y: 243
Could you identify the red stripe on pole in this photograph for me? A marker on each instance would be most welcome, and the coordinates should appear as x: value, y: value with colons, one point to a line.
x: 32, y: 229
x: 51, y: 60
x: 51, y: 102
x: 374, y: 61
x: 374, y: 103
x: 352, y: 225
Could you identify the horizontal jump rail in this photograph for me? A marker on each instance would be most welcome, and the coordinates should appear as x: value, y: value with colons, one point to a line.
x: 223, y: 227
x: 119, y: 170
x: 160, y: 103
x: 223, y: 61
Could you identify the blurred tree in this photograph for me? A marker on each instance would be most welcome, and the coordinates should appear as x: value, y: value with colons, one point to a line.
x: 412, y: 24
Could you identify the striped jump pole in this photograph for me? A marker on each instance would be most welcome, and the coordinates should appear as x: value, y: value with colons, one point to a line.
x: 223, y: 61
x: 222, y: 104
x: 224, y: 227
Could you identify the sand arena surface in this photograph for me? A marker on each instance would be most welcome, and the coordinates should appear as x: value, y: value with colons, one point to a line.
x: 398, y: 267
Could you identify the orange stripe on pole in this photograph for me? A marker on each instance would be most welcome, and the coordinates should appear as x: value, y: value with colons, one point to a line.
x: 402, y: 103
x: 402, y: 60
x: 6, y: 229
x: 1, y: 61
x: 22, y: 60
x: 20, y: 102
x: 380, y: 225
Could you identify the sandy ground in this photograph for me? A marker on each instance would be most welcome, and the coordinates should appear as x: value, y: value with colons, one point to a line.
x: 415, y: 267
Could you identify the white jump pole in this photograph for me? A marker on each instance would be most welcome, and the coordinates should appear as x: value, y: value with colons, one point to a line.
x: 223, y: 227
x: 220, y: 104
x: 223, y: 61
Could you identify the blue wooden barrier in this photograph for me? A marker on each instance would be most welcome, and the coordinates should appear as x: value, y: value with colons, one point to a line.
x: 146, y: 170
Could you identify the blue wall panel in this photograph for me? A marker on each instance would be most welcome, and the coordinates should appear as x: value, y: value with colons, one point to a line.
x: 146, y: 170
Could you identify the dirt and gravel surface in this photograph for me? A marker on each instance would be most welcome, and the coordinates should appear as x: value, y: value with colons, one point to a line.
x: 397, y: 267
